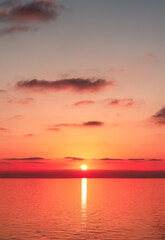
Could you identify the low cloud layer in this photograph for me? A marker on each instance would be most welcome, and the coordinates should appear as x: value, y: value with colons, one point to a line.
x: 31, y: 158
x: 72, y: 84
x: 155, y: 160
x: 136, y: 159
x: 159, y: 117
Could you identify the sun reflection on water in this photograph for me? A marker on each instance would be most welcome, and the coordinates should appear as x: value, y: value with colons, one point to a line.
x: 84, y: 201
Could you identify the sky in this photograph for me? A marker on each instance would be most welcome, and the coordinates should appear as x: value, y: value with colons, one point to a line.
x: 82, y: 82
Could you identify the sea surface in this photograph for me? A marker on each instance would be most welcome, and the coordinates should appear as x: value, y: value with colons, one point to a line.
x: 82, y: 209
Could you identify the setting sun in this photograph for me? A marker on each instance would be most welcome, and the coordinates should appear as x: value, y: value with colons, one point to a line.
x: 84, y: 167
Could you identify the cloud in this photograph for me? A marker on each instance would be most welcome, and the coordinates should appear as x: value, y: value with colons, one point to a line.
x: 159, y: 117
x: 126, y: 102
x: 2, y: 91
x: 31, y: 11
x: 14, y: 29
x: 31, y: 158
x: 111, y: 159
x: 25, y: 13
x: 87, y: 102
x: 92, y: 124
x: 136, y: 159
x: 16, y: 117
x: 57, y: 127
x: 74, y: 158
x: 151, y: 56
x: 72, y: 84
x: 29, y: 135
x: 4, y: 129
x: 21, y: 101
x: 155, y: 160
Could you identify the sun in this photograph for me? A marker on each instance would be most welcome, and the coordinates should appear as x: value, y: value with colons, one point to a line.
x: 84, y: 167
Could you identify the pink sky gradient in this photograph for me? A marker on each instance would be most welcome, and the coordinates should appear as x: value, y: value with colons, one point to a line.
x: 84, y: 80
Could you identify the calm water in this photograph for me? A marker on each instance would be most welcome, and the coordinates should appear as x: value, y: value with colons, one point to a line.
x: 82, y: 209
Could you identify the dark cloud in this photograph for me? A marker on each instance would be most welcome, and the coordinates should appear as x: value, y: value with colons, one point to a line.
x: 159, y: 117
x: 30, y: 12
x: 111, y: 159
x: 155, y: 160
x: 31, y: 158
x: 75, y: 158
x: 21, y: 101
x: 73, y: 84
x: 92, y: 124
x: 126, y: 102
x: 14, y: 29
x: 87, y: 102
x: 136, y: 159
x: 57, y: 127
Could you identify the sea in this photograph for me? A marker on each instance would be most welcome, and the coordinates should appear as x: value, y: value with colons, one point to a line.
x: 82, y: 208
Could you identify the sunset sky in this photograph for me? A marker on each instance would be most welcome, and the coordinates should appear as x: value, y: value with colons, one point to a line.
x: 82, y: 82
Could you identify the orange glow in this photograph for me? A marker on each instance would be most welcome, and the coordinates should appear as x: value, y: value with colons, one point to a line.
x: 84, y: 167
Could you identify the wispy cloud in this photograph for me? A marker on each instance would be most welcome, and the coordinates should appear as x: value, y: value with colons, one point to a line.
x: 159, y: 117
x: 14, y: 29
x: 73, y: 84
x: 74, y: 158
x: 126, y: 102
x: 4, y: 129
x: 21, y: 101
x: 16, y: 117
x: 111, y: 159
x: 86, y: 102
x: 2, y: 91
x: 30, y: 158
x: 57, y: 127
x: 29, y: 135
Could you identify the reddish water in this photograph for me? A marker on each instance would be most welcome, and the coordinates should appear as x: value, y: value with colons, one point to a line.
x: 82, y: 209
